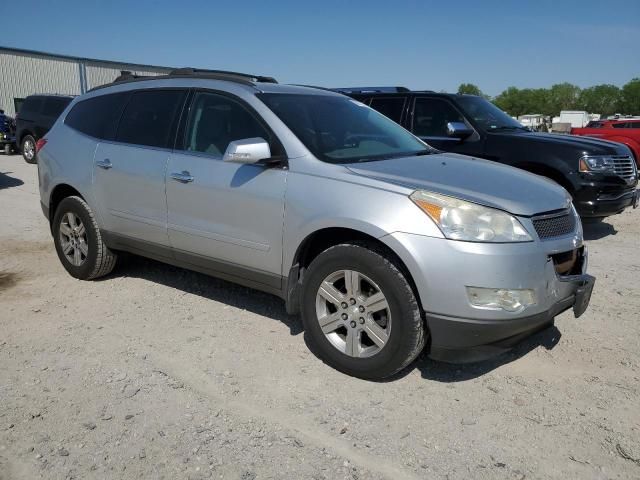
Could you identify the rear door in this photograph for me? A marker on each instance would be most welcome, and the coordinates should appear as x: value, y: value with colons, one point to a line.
x: 129, y: 172
x: 429, y: 119
x: 226, y: 216
x: 392, y: 107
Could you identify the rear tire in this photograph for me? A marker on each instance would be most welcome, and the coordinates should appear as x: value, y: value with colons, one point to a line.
x: 383, y: 295
x: 78, y: 241
x: 28, y: 148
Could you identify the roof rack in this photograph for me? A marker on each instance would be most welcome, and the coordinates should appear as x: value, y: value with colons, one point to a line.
x: 244, y: 78
x: 372, y: 90
x: 188, y: 71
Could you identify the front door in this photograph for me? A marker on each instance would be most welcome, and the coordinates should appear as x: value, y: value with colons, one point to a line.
x: 226, y: 217
x: 430, y: 117
x: 129, y: 173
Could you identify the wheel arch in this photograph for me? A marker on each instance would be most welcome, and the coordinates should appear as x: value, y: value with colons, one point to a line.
x: 549, y: 172
x: 59, y: 193
x: 320, y: 240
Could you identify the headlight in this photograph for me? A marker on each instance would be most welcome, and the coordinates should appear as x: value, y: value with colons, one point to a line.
x: 596, y: 163
x: 461, y: 220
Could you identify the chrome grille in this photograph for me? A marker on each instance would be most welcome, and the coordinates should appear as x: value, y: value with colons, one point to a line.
x: 624, y: 166
x: 554, y: 225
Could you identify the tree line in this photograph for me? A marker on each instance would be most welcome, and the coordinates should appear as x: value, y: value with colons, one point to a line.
x: 604, y: 99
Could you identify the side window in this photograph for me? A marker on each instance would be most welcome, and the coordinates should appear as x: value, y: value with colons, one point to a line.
x: 431, y: 115
x: 634, y: 125
x: 216, y: 120
x: 619, y: 125
x: 97, y: 116
x: 390, y: 107
x: 32, y: 105
x: 53, y: 106
x: 149, y: 116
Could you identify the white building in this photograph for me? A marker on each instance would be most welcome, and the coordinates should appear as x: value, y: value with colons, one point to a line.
x: 25, y: 72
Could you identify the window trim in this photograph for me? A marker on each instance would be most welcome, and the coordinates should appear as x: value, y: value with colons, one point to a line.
x: 275, y: 145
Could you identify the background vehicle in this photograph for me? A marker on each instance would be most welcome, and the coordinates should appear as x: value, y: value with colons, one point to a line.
x: 600, y: 176
x: 36, y: 116
x: 622, y: 131
x: 378, y: 240
x: 7, y: 134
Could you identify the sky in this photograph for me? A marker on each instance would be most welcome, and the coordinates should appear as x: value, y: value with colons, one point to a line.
x: 417, y: 44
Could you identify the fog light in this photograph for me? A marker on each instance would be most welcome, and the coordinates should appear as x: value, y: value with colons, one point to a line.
x: 509, y: 300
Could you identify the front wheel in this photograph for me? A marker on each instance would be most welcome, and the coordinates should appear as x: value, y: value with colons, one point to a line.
x: 360, y: 313
x: 29, y: 149
x: 79, y: 242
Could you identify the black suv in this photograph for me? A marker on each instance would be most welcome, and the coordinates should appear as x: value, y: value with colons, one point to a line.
x: 37, y: 115
x: 601, y: 176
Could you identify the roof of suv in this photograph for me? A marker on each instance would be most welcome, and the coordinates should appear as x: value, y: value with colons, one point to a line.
x: 261, y: 83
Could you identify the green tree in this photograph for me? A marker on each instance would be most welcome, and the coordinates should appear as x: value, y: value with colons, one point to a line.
x: 470, y: 89
x: 563, y: 96
x: 630, y: 101
x: 603, y: 99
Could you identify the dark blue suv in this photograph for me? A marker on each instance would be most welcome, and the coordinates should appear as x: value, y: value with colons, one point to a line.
x: 7, y: 134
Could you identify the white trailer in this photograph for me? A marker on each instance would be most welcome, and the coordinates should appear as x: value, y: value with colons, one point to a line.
x: 577, y: 118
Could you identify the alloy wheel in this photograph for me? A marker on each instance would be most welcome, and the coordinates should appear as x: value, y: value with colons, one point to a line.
x: 353, y: 313
x: 29, y: 149
x: 73, y: 239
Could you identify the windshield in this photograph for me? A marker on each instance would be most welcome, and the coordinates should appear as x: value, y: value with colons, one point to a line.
x: 341, y: 130
x: 487, y: 114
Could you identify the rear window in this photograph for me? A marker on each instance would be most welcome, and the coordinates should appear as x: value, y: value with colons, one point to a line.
x: 32, y: 105
x: 97, y: 116
x: 149, y: 116
x: 634, y: 125
x: 53, y: 106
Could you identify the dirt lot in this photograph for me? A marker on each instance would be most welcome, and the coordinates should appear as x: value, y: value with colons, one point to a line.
x: 157, y: 372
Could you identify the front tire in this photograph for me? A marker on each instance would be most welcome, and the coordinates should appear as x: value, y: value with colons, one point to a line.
x: 28, y: 148
x: 78, y: 241
x: 360, y: 313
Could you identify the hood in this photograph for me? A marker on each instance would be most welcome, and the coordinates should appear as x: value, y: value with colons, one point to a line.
x: 476, y: 180
x: 585, y: 145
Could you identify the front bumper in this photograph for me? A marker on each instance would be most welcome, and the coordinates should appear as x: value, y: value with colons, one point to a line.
x: 442, y: 269
x: 603, y: 196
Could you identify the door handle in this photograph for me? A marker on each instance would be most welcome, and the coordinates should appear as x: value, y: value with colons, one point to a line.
x: 106, y: 164
x: 183, y: 176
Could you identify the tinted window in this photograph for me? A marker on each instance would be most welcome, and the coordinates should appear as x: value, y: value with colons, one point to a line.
x: 634, y: 125
x: 53, y: 106
x: 619, y: 125
x: 32, y: 105
x: 485, y: 113
x: 338, y: 129
x: 97, y: 116
x: 431, y: 117
x: 389, y: 107
x: 215, y: 120
x: 148, y: 117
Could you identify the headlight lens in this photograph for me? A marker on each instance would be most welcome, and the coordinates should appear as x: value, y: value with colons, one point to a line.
x: 596, y: 163
x: 461, y: 220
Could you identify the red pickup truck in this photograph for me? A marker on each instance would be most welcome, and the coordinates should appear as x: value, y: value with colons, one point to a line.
x: 621, y: 131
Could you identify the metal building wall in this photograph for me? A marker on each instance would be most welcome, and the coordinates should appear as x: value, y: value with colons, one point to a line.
x: 99, y: 73
x: 22, y: 75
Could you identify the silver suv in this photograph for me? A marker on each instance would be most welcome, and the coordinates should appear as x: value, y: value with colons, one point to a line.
x: 383, y: 244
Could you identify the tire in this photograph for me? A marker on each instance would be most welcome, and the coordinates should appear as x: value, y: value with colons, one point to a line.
x: 7, y: 149
x: 401, y: 321
x: 28, y: 148
x: 95, y: 259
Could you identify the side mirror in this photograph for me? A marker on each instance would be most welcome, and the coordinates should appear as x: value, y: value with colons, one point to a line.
x: 248, y: 150
x: 458, y: 130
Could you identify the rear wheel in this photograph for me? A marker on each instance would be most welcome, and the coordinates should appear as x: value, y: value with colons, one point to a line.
x: 360, y: 313
x: 29, y: 149
x: 78, y: 241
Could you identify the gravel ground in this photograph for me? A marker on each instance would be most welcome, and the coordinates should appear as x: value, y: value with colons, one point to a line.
x: 157, y: 372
